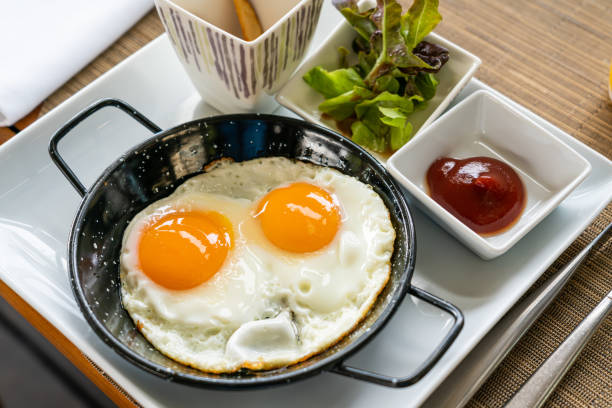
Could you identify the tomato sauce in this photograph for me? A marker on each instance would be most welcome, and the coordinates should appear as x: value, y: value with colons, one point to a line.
x: 483, y: 193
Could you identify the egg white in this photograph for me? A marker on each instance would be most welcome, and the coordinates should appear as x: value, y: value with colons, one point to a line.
x: 265, y: 307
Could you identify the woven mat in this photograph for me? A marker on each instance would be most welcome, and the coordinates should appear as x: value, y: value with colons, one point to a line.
x: 551, y: 56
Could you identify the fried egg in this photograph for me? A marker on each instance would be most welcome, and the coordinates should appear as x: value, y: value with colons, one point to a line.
x: 258, y: 264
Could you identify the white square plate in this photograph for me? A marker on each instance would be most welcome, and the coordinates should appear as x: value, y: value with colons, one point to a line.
x: 37, y: 207
x: 485, y: 125
x: 303, y: 100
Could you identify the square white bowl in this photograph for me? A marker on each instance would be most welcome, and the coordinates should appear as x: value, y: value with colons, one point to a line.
x: 485, y: 125
x: 300, y: 98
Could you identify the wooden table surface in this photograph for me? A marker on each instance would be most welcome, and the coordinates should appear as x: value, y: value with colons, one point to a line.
x: 553, y: 57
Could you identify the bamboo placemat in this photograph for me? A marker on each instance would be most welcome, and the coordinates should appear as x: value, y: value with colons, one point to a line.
x: 551, y: 56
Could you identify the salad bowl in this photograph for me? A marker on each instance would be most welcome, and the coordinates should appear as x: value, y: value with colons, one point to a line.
x: 303, y: 100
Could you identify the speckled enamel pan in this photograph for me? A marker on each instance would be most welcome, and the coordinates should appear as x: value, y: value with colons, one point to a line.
x: 156, y: 167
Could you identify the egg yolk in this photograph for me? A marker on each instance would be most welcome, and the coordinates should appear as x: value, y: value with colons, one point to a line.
x: 299, y: 218
x: 184, y: 249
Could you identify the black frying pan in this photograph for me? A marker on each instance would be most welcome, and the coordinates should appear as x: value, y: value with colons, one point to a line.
x: 156, y: 167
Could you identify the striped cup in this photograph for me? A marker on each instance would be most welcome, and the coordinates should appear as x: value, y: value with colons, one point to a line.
x: 231, y: 74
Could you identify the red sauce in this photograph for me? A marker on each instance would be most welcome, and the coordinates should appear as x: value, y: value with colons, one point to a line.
x: 483, y: 193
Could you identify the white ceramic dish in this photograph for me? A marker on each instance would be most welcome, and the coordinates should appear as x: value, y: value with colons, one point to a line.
x: 300, y: 98
x: 232, y: 74
x: 485, y: 125
x: 37, y: 206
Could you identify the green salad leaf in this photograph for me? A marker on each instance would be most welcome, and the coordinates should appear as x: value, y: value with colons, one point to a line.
x: 389, y: 75
x: 361, y: 22
x: 386, y: 83
x: 394, y: 117
x: 399, y: 136
x: 387, y: 100
x: 343, y: 106
x: 427, y: 84
x: 333, y: 83
x: 399, y: 128
x: 420, y: 20
x: 362, y: 135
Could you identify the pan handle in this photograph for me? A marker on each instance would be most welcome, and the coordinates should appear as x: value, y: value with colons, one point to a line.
x: 78, y: 118
x: 398, y: 382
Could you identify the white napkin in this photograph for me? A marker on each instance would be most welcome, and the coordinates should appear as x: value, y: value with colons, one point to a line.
x: 45, y: 42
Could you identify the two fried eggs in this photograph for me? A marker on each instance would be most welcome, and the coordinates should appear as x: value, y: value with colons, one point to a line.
x: 258, y: 264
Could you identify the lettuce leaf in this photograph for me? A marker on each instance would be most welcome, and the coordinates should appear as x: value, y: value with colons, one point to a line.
x: 387, y: 100
x: 427, y: 84
x: 365, y: 62
x: 386, y: 83
x: 398, y: 136
x: 361, y: 22
x: 386, y: 116
x: 333, y: 83
x: 422, y: 17
x: 400, y: 129
x: 394, y: 117
x: 363, y: 136
x: 343, y: 106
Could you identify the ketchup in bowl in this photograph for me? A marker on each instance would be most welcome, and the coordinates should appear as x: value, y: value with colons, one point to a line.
x: 483, y: 193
